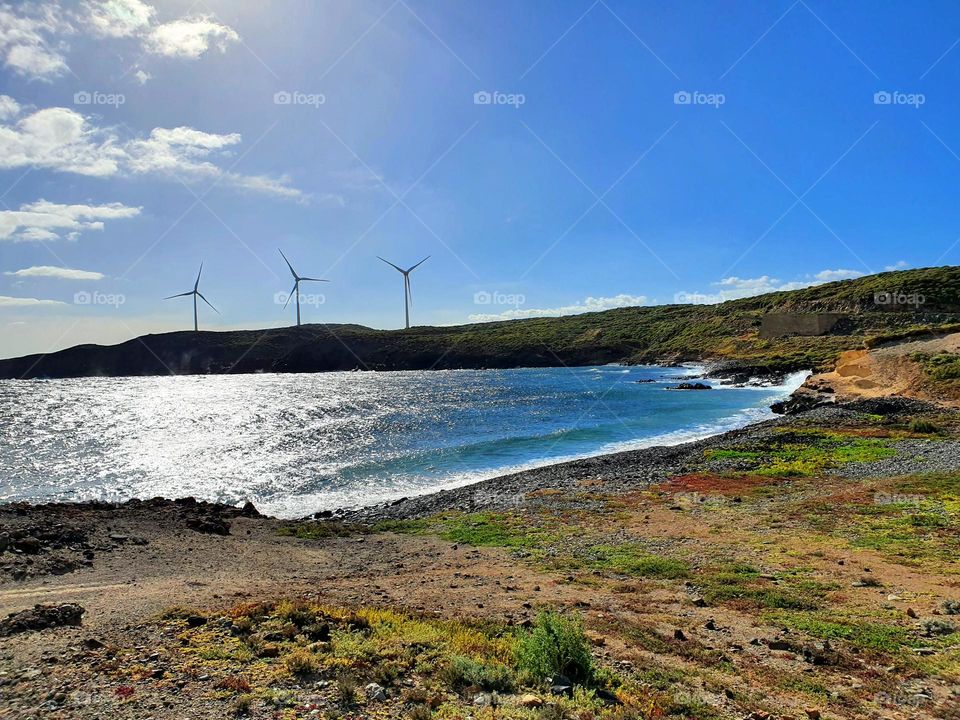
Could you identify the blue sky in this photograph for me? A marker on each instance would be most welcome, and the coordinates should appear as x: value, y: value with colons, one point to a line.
x: 625, y: 153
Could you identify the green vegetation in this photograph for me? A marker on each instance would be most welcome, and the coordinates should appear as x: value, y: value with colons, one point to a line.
x: 629, y: 559
x: 306, y: 530
x: 637, y: 334
x: 439, y: 665
x: 940, y: 367
x: 858, y: 632
x: 556, y: 646
x: 806, y: 452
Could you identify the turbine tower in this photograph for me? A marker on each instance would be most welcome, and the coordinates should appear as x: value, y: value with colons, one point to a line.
x: 196, y: 294
x: 296, y: 284
x: 407, y: 293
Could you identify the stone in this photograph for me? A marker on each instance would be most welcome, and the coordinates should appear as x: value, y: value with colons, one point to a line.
x: 812, y: 713
x: 679, y: 635
x: 375, y: 692
x: 41, y: 617
x: 28, y: 545
x: 529, y: 701
x: 911, y: 613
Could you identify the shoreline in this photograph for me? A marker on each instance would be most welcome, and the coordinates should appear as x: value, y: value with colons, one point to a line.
x: 751, y: 408
x: 671, y: 557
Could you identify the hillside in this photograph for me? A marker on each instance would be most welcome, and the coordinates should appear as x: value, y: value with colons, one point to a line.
x: 669, y: 333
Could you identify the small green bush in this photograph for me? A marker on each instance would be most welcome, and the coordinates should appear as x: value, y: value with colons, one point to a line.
x: 924, y: 427
x: 554, y: 646
x: 461, y: 672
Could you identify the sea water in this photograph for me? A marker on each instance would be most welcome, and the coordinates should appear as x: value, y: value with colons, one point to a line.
x: 295, y: 444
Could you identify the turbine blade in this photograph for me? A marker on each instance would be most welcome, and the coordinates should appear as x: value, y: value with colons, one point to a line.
x: 409, y: 289
x: 197, y: 283
x: 419, y: 264
x: 399, y: 269
x: 291, y: 294
x: 200, y: 295
x: 292, y: 271
x: 315, y: 279
x: 180, y: 295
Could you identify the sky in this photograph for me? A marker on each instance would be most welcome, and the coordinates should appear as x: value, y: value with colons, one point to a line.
x: 550, y: 157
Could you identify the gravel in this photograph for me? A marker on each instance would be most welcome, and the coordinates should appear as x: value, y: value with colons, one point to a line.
x: 626, y: 472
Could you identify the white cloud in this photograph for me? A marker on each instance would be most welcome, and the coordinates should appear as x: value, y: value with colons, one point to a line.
x: 590, y: 304
x: 9, y: 108
x: 899, y: 265
x: 118, y: 18
x: 60, y: 273
x: 734, y: 288
x: 41, y: 220
x: 143, y: 76
x: 22, y: 302
x: 61, y: 139
x: 25, y: 44
x: 32, y: 34
x: 189, y: 37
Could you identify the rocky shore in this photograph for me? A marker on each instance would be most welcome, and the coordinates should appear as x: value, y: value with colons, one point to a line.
x: 803, y: 567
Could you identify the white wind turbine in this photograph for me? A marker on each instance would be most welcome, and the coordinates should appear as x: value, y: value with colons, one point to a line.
x: 196, y: 294
x: 407, y: 293
x: 296, y: 284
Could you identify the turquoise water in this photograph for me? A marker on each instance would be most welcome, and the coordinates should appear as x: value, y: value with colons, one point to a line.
x: 296, y: 444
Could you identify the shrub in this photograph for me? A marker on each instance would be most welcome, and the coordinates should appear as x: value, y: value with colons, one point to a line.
x: 243, y: 705
x: 924, y: 427
x: 347, y: 690
x: 461, y: 672
x: 420, y: 712
x: 556, y: 646
x: 300, y: 662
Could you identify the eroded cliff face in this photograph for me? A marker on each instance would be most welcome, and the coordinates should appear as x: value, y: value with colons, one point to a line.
x: 894, y: 370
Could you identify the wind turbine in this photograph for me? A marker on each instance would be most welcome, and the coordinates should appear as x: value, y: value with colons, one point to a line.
x: 196, y: 294
x: 407, y: 293
x: 296, y: 284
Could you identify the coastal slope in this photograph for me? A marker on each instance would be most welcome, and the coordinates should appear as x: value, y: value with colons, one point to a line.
x: 729, y: 332
x: 802, y: 568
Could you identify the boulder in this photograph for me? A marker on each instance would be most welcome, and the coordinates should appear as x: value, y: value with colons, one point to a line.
x: 41, y: 617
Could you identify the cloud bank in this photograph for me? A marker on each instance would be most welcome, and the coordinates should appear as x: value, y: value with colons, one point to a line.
x: 34, y: 35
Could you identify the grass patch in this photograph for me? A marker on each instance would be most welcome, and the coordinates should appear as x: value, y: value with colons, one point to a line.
x: 859, y: 633
x: 319, y: 530
x: 806, y: 452
x: 629, y: 559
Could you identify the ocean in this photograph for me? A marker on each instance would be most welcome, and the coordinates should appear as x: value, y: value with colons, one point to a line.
x: 296, y: 444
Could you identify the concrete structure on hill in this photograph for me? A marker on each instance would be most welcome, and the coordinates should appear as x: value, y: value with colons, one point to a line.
x: 776, y: 325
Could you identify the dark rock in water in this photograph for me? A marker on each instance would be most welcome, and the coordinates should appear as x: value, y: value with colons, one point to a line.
x: 645, y: 380
x: 323, y: 514
x: 691, y: 386
x: 800, y: 402
x: 250, y: 510
x: 41, y: 617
